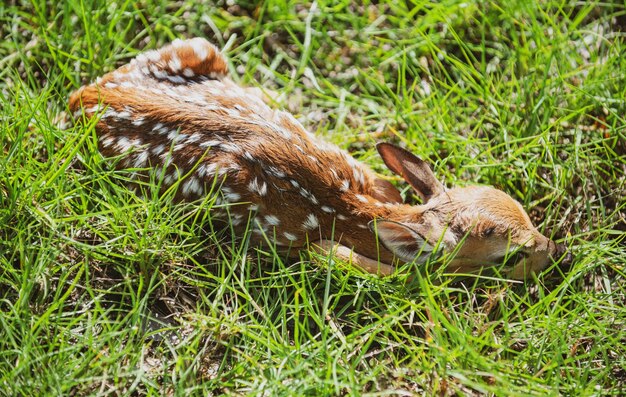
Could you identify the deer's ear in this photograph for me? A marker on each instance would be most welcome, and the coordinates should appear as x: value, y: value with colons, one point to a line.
x: 403, y: 241
x: 413, y: 169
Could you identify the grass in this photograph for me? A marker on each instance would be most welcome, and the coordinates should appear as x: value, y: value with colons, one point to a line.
x: 104, y: 292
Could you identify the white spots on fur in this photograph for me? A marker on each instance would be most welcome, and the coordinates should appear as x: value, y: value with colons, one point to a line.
x: 174, y: 64
x: 160, y: 129
x: 137, y: 122
x: 313, y: 199
x: 261, y: 227
x: 141, y: 58
x: 258, y: 231
x: 158, y: 173
x: 199, y: 47
x: 351, y: 161
x: 345, y: 185
x: 220, y: 204
x: 273, y: 171
x: 253, y: 207
x: 170, y: 178
x: 125, y: 115
x: 258, y: 187
x: 272, y: 220
x: 175, y: 79
x: 294, y: 183
x: 195, y: 137
x: 342, y: 217
x: 206, y: 170
x: 141, y: 159
x: 248, y: 156
x: 172, y: 135
x: 327, y: 209
x: 158, y: 73
x: 234, y: 167
x: 187, y: 72
x: 209, y: 143
x: 361, y: 198
x: 230, y: 147
x: 153, y: 56
x: 192, y: 186
x: 166, y: 159
x: 290, y: 236
x: 112, y: 113
x: 94, y: 109
x: 107, y: 140
x: 307, y: 195
x: 311, y: 222
x: 230, y: 195
x: 175, y: 136
x: 158, y: 149
x: 222, y: 170
x: 362, y: 226
x: 358, y: 176
x: 236, y: 219
x: 179, y: 171
x: 123, y: 144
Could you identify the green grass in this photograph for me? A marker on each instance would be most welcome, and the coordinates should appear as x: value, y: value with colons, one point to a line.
x: 104, y: 292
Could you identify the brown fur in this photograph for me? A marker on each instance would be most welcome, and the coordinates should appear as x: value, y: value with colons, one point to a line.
x: 175, y: 110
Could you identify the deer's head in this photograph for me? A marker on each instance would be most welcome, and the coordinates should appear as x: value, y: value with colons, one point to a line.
x: 479, y: 225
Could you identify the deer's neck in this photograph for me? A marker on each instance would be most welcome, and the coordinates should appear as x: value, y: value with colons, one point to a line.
x: 355, y: 230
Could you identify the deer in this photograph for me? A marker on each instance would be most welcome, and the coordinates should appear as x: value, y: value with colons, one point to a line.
x: 175, y: 111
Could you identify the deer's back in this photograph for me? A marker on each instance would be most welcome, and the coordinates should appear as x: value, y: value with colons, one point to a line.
x: 176, y: 110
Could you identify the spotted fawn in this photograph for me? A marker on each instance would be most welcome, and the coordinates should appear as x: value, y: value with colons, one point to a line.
x: 176, y: 111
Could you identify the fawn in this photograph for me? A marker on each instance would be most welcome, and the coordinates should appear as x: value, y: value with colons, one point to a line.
x: 176, y: 110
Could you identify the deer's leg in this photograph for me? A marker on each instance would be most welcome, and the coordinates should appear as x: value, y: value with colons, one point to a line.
x: 346, y: 254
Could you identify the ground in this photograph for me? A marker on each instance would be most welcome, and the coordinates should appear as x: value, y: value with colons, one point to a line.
x: 107, y: 292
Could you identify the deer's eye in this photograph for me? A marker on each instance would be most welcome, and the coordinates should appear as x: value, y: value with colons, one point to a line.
x: 489, y: 231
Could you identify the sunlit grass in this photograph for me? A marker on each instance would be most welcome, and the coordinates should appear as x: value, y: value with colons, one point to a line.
x: 105, y: 291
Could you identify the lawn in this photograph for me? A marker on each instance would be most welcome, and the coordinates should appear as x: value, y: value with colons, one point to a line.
x: 107, y: 292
